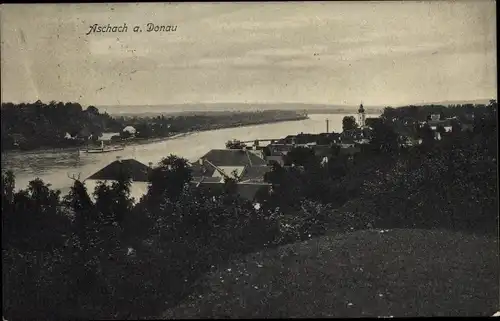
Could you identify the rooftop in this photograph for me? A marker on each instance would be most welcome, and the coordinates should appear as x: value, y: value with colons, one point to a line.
x: 138, y: 171
x: 255, y: 173
x: 233, y: 157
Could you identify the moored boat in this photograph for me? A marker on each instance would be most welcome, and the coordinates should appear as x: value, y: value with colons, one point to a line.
x: 235, y: 144
x: 102, y: 149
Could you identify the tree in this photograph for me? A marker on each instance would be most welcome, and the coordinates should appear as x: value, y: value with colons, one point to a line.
x: 427, y: 135
x: 31, y: 217
x: 169, y: 178
x: 30, y: 126
x: 348, y: 123
x: 92, y: 110
x: 301, y: 156
x: 114, y: 202
x: 125, y: 134
x: 390, y: 113
x: 384, y: 138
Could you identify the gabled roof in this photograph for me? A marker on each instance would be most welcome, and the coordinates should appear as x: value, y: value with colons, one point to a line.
x: 230, y: 171
x: 233, y: 157
x: 255, y: 173
x: 137, y: 171
x: 201, y: 170
x: 200, y: 179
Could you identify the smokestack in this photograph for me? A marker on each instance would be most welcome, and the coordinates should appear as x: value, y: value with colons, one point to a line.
x: 327, y: 127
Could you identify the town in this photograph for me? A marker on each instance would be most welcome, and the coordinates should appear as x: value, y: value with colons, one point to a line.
x: 238, y: 160
x: 248, y: 161
x: 414, y: 170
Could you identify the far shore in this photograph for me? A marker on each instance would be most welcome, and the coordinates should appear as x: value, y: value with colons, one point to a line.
x: 143, y: 141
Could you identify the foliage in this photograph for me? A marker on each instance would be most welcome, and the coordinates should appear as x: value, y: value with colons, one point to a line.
x: 35, y: 125
x: 349, y: 123
x: 41, y: 125
x: 384, y: 138
x: 105, y: 258
x: 162, y: 126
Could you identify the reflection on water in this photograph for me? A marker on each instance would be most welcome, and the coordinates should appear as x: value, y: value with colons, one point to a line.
x: 54, y: 166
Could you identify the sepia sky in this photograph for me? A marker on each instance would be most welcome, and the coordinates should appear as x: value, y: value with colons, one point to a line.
x: 384, y: 53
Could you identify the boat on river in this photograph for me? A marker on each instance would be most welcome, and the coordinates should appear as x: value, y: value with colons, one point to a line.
x: 235, y: 144
x: 102, y: 149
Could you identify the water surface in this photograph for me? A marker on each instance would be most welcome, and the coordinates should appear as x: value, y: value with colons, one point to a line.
x: 54, y: 166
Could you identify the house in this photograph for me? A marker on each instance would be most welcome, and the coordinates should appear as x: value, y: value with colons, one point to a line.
x: 248, y: 184
x: 254, y: 174
x: 257, y: 151
x: 280, y: 159
x: 137, y: 171
x: 130, y: 130
x: 231, y: 160
x: 219, y: 164
x: 68, y: 136
x: 280, y: 149
x: 211, y: 170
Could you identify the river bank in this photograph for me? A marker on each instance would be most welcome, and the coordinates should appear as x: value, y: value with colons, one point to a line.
x: 53, y: 166
x: 142, y: 141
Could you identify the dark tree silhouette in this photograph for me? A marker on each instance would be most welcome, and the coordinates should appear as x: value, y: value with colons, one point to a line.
x: 348, y: 123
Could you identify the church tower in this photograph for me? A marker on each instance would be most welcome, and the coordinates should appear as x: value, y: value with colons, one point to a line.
x: 361, y: 116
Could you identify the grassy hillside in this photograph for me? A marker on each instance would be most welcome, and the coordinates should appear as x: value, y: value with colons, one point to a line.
x: 369, y: 273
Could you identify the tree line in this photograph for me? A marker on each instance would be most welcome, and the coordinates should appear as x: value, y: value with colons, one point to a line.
x: 35, y: 125
x: 87, y: 257
x: 28, y: 126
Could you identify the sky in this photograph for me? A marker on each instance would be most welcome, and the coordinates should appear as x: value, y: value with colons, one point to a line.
x: 340, y: 53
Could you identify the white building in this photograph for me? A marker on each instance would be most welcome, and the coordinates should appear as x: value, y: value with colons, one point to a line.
x: 361, y: 116
x: 129, y: 129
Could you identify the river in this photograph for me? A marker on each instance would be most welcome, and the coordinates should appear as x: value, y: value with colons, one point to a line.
x: 54, y: 166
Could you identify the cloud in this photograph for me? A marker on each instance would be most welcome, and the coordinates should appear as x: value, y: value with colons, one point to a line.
x: 267, y: 52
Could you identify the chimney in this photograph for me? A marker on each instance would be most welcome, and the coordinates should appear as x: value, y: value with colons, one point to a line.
x: 150, y: 164
x: 201, y: 161
x: 119, y: 158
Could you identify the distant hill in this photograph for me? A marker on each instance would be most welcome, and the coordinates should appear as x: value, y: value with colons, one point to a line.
x: 172, y: 109
x: 455, y: 102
